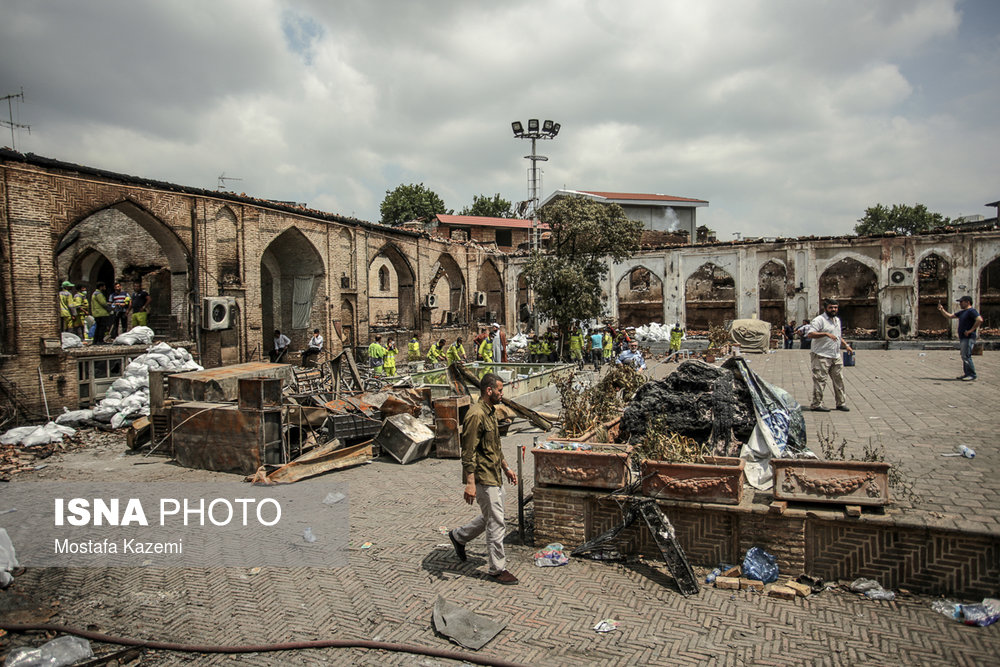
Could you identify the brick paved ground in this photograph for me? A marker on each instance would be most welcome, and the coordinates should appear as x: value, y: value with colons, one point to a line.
x: 388, y: 591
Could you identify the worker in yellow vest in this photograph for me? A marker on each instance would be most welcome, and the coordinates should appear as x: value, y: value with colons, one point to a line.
x: 413, y: 350
x: 608, y: 346
x: 576, y: 345
x: 391, y: 351
x: 456, y: 352
x: 67, y: 310
x: 486, y: 350
x: 376, y: 354
x: 437, y: 353
x: 82, y: 304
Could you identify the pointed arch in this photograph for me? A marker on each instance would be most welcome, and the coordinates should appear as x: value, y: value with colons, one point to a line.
x: 395, y: 308
x: 640, y: 297
x: 292, y: 283
x: 854, y: 285
x: 709, y: 297
x: 138, y: 246
x: 772, y: 287
x: 933, y: 287
x: 490, y: 283
x: 989, y: 293
x: 227, y: 250
x: 448, y: 284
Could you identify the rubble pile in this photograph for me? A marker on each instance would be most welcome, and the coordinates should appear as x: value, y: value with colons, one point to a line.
x: 699, y: 401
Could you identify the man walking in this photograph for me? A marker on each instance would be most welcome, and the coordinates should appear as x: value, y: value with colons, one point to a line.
x: 482, y: 465
x: 969, y: 321
x: 824, y: 334
x: 788, y: 334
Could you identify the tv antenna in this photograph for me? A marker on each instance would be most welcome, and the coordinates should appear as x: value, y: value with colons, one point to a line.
x: 223, y: 178
x: 10, y: 115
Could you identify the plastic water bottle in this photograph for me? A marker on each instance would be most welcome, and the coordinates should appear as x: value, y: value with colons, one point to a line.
x: 712, y: 575
x: 967, y: 452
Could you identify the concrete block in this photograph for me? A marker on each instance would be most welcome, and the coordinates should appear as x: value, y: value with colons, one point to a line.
x: 751, y: 584
x: 801, y: 590
x: 780, y: 592
x: 728, y: 583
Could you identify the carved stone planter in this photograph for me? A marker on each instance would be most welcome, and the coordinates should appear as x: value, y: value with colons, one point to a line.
x: 603, y: 467
x: 718, y: 480
x: 839, y: 482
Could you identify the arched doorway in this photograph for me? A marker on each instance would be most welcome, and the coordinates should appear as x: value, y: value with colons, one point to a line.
x: 448, y: 286
x: 391, y: 291
x: 91, y: 267
x: 292, y: 284
x: 933, y: 274
x: 989, y: 294
x: 640, y: 298
x: 772, y: 283
x: 855, y: 287
x: 491, y: 284
x: 134, y: 245
x: 709, y: 297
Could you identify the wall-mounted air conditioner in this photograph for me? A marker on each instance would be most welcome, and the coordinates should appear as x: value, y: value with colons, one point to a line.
x: 901, y: 277
x: 431, y: 301
x: 896, y: 326
x: 217, y: 312
x: 479, y: 299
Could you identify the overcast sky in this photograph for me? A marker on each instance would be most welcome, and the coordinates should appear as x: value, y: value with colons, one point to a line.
x: 789, y: 116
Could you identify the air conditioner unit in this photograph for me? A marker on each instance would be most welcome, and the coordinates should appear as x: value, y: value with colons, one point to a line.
x: 479, y: 299
x: 901, y: 277
x: 217, y: 313
x: 431, y: 301
x: 896, y: 326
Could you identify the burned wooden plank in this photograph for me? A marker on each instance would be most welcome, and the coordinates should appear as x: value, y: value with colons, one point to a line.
x: 321, y: 460
x: 536, y: 419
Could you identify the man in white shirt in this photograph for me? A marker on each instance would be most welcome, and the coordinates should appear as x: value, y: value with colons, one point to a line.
x: 281, y: 343
x: 315, y: 347
x: 825, y: 336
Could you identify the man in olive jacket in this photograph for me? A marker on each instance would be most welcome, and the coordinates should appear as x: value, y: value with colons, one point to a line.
x: 483, y: 467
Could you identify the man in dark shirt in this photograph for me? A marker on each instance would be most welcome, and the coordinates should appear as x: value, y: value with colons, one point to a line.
x: 139, y: 306
x: 969, y: 321
x: 788, y: 333
x: 483, y: 468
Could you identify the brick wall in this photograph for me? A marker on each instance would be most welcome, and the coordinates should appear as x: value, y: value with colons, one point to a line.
x: 919, y: 559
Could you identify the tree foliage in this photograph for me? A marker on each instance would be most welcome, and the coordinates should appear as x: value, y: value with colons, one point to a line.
x: 490, y: 207
x: 410, y: 202
x: 567, y: 279
x: 901, y: 219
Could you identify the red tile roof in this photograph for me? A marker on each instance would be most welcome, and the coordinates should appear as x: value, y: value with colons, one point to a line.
x: 482, y: 221
x: 640, y: 196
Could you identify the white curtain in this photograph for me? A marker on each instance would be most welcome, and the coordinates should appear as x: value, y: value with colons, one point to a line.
x: 302, y: 302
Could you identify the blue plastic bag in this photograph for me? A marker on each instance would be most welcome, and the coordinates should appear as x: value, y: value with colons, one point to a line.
x: 760, y: 565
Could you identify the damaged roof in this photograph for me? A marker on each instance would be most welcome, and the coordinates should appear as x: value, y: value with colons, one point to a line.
x: 483, y: 221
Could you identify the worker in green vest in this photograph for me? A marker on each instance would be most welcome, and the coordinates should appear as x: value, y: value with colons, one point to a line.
x: 534, y: 349
x: 391, y: 351
x: 676, y: 336
x: 456, y: 352
x: 376, y: 354
x: 576, y: 344
x: 67, y: 310
x: 437, y: 353
x: 608, y: 344
x: 486, y: 350
x: 413, y: 350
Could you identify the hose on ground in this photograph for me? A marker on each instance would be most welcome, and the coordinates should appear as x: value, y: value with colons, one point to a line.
x: 259, y: 648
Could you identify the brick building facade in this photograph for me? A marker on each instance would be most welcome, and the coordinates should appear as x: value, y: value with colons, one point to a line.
x: 271, y: 265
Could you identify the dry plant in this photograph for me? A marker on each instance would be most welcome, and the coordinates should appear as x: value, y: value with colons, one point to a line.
x: 718, y: 336
x: 661, y: 444
x: 588, y: 406
x: 872, y: 452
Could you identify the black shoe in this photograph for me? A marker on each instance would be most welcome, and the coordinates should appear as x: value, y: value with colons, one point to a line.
x: 843, y: 408
x: 505, y: 577
x: 820, y: 409
x: 459, y: 548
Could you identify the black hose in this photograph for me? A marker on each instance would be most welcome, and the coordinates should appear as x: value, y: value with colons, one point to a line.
x: 259, y: 648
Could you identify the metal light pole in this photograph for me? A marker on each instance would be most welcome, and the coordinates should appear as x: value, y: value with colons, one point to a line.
x: 548, y: 130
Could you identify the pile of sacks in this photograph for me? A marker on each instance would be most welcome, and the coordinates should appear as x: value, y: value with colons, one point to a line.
x: 128, y: 397
x: 654, y: 332
x: 32, y: 436
x: 135, y: 336
x: 517, y: 342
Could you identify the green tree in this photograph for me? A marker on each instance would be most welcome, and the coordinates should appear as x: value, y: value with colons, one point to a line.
x: 410, y: 202
x: 567, y: 279
x: 490, y: 207
x: 901, y: 219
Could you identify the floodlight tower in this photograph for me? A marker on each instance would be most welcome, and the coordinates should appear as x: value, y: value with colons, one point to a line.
x: 548, y: 130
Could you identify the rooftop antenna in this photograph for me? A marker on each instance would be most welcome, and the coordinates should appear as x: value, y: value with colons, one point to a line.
x: 10, y: 115
x: 223, y: 178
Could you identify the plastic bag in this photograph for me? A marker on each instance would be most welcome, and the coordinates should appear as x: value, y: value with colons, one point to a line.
x: 8, y: 559
x: 983, y: 614
x: 74, y: 417
x: 552, y: 555
x: 760, y: 565
x: 864, y: 585
x: 65, y: 650
x: 70, y: 340
x: 949, y: 608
